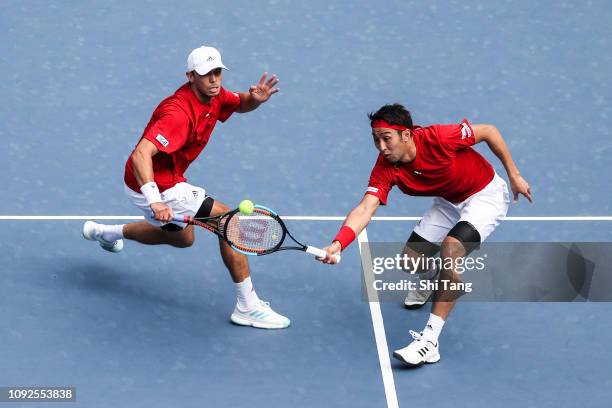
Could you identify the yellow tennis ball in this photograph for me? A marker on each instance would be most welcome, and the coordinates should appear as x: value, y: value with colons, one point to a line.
x: 246, y: 207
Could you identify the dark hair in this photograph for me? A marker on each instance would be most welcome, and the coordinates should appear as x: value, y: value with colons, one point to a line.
x: 393, y: 114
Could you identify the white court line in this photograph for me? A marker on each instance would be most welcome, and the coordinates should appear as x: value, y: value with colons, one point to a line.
x: 284, y: 217
x: 377, y: 322
x: 551, y: 218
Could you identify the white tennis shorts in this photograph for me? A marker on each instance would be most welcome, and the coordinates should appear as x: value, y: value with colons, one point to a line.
x: 183, y: 199
x: 483, y: 210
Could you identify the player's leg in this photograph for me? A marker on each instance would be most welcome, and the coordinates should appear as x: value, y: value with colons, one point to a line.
x: 425, y: 241
x: 249, y: 310
x: 431, y: 229
x: 169, y: 234
x: 111, y: 236
x: 421, y: 250
x: 462, y: 239
x: 425, y: 346
x: 236, y: 263
x: 479, y: 215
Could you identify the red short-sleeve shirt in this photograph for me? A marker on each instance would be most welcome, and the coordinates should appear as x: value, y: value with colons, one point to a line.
x: 180, y: 128
x: 445, y: 166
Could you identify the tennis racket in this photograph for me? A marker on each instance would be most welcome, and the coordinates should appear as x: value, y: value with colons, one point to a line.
x: 260, y: 233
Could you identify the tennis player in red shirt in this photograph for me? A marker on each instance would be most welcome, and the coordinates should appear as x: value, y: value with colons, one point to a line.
x: 155, y: 182
x: 470, y: 199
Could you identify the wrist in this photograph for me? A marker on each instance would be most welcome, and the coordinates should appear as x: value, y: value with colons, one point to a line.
x: 345, y: 236
x: 151, y: 192
x: 336, y: 246
x: 512, y: 170
x: 514, y: 175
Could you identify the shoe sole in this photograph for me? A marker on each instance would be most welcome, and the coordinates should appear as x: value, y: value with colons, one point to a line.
x: 399, y: 357
x: 113, y: 248
x: 414, y: 306
x: 241, y: 321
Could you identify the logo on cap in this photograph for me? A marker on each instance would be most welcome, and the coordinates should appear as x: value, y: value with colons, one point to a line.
x: 204, y: 59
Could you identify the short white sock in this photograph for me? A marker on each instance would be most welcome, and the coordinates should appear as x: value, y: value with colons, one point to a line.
x: 112, y: 233
x: 433, y: 328
x: 246, y: 296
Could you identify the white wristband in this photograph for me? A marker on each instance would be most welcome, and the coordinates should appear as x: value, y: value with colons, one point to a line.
x: 151, y: 192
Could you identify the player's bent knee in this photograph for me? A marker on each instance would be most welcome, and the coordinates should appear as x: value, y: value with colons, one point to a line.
x: 188, y: 237
x: 466, y: 234
x: 184, y: 243
x: 420, y: 246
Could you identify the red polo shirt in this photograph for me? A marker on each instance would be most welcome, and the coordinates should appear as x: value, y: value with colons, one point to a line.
x: 445, y: 166
x: 180, y: 128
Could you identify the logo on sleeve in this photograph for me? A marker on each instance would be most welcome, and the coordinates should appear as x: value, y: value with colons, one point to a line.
x: 372, y: 190
x: 161, y: 139
x: 466, y: 132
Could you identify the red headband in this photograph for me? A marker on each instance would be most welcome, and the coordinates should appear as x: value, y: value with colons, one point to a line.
x: 380, y: 123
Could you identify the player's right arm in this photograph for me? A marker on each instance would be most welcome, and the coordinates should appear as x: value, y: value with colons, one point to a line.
x: 142, y: 162
x: 355, y: 222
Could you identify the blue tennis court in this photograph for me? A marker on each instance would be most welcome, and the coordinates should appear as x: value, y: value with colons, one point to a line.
x: 149, y: 327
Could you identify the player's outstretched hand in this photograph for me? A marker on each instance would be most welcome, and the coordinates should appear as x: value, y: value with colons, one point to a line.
x: 162, y: 212
x: 332, y: 250
x: 520, y: 186
x: 264, y: 89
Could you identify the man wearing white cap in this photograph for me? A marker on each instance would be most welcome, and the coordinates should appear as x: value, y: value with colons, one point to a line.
x: 179, y: 129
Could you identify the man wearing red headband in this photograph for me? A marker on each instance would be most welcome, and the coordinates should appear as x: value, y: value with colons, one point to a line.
x: 470, y: 199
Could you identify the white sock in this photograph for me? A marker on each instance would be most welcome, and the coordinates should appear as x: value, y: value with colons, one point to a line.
x: 433, y: 328
x: 112, y: 233
x: 246, y: 297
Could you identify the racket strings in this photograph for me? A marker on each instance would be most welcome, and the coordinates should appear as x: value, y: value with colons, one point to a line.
x: 257, y: 233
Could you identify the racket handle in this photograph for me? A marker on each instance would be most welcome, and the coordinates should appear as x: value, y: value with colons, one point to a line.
x: 184, y: 219
x: 320, y: 253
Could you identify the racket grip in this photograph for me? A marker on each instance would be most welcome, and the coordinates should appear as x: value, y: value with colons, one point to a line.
x: 320, y: 253
x: 184, y: 219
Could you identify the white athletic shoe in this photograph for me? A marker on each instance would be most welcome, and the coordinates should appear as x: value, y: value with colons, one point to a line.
x: 418, y: 352
x: 93, y: 232
x: 262, y: 317
x: 418, y: 297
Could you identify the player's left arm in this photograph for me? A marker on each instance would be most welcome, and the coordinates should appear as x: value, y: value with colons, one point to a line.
x: 492, y: 136
x: 258, y: 94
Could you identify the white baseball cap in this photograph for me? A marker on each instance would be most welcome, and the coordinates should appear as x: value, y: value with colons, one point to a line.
x: 204, y: 59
